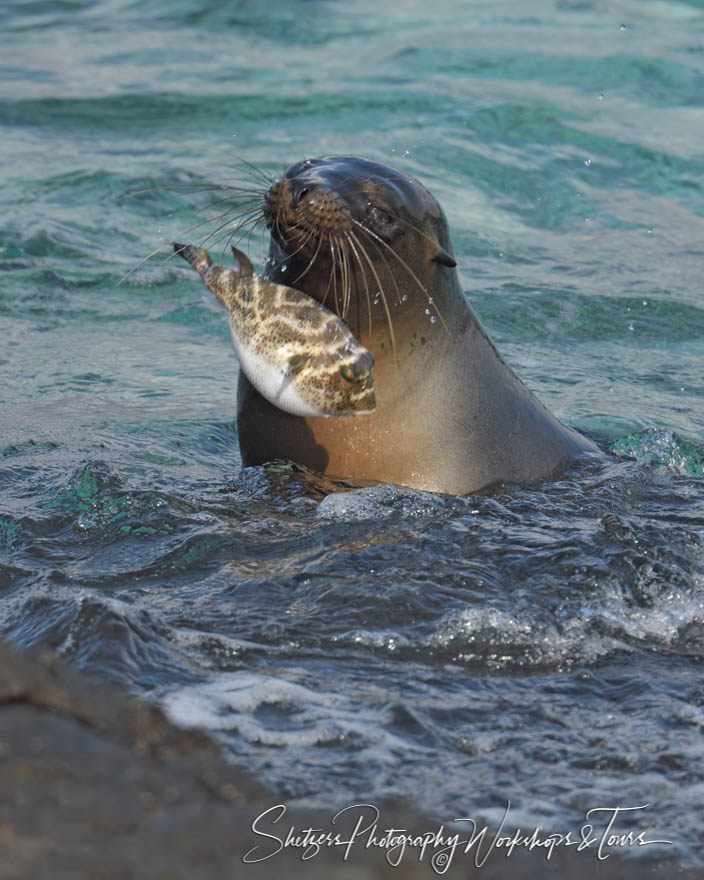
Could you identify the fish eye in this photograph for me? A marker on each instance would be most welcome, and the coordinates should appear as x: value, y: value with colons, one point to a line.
x: 347, y: 374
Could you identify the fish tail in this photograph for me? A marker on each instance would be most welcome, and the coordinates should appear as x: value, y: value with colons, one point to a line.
x: 217, y: 279
x: 198, y: 257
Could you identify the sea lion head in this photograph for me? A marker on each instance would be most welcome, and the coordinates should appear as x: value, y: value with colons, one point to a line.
x: 366, y: 239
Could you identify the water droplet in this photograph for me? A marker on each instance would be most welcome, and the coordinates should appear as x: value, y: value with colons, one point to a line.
x: 650, y: 232
x: 404, y: 298
x: 430, y: 299
x: 601, y: 96
x: 631, y: 326
x: 587, y: 162
x: 623, y: 27
x: 433, y: 319
x: 587, y: 219
x: 284, y: 267
x: 501, y: 254
x: 427, y: 311
x: 645, y: 302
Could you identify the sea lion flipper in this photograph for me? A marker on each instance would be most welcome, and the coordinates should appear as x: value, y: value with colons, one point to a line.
x: 243, y: 262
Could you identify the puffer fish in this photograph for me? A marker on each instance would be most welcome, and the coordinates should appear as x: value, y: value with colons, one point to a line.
x: 298, y: 354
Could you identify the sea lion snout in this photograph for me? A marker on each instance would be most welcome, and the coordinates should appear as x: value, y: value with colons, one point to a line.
x: 300, y: 206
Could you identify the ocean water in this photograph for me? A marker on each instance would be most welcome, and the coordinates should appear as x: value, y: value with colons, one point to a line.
x: 540, y: 646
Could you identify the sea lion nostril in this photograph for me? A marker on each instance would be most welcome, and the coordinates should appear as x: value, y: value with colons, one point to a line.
x: 298, y: 193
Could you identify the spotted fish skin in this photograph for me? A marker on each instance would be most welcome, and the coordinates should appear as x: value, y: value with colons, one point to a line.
x: 298, y: 354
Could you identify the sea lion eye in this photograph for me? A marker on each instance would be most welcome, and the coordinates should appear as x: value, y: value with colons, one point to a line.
x: 381, y: 218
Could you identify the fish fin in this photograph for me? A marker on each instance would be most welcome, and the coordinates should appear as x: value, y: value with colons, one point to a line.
x: 441, y: 256
x: 296, y: 364
x: 243, y: 262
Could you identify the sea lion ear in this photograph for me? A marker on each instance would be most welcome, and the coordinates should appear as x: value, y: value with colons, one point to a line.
x: 441, y: 256
x: 243, y: 262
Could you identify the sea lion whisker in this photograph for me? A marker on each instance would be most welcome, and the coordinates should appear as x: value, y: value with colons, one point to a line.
x: 350, y: 276
x: 143, y: 261
x: 251, y: 233
x: 311, y: 262
x: 268, y: 179
x: 151, y: 254
x: 196, y: 187
x: 405, y: 265
x: 417, y: 229
x: 344, y: 280
x: 234, y: 223
x: 252, y: 213
x: 205, y: 223
x: 223, y: 228
x: 252, y: 203
x: 344, y: 277
x: 381, y: 293
x: 330, y: 277
x: 348, y: 266
x: 363, y: 250
x: 252, y: 223
x: 308, y: 235
x: 277, y: 223
x: 160, y: 248
x: 388, y: 269
x: 334, y: 273
x: 352, y: 238
x: 335, y: 268
x: 219, y: 229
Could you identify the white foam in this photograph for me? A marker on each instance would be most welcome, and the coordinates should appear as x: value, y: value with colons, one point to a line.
x: 232, y: 701
x: 377, y: 502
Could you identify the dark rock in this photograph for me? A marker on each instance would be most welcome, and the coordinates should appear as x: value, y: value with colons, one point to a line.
x: 95, y: 785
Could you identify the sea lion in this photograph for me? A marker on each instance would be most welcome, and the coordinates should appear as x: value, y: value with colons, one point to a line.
x: 372, y: 243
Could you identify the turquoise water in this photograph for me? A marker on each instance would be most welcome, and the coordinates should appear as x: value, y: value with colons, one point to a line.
x: 543, y: 646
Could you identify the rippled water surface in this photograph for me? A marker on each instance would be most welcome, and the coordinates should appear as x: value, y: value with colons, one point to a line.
x: 539, y: 645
